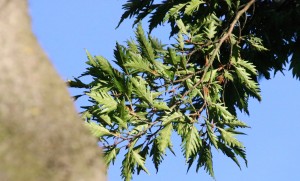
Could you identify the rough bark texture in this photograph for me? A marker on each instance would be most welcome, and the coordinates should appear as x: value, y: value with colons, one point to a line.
x: 41, y: 136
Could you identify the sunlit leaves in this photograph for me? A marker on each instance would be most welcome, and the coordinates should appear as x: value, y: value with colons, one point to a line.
x: 192, y: 6
x: 192, y: 87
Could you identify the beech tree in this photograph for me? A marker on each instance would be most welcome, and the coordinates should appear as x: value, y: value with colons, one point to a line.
x: 41, y: 135
x: 193, y: 88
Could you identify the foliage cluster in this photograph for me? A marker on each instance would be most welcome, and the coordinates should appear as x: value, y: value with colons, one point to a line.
x: 192, y: 88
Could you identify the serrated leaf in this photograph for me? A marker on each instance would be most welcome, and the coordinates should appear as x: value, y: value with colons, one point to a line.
x: 173, y: 11
x: 192, y: 6
x: 127, y: 167
x: 167, y: 119
x: 97, y: 130
x: 247, y: 65
x: 157, y: 156
x: 191, y: 142
x: 222, y: 111
x: 247, y: 81
x: 181, y: 26
x: 107, y: 102
x: 205, y: 159
x: 164, y: 138
x: 138, y: 65
x: 229, y: 153
x: 240, y: 152
x: 210, y: 75
x: 104, y: 65
x: 211, y: 135
x: 161, y: 105
x: 110, y: 155
x: 235, y: 123
x: 139, y: 160
x: 144, y: 44
x: 91, y: 61
x: 256, y: 43
x: 173, y: 57
x: 77, y: 83
x: 210, y: 31
x: 122, y: 124
x: 141, y: 90
x: 229, y: 138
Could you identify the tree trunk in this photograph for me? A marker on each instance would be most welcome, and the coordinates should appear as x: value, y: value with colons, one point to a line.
x: 41, y: 136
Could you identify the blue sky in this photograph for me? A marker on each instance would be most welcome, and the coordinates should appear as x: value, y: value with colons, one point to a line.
x: 65, y: 28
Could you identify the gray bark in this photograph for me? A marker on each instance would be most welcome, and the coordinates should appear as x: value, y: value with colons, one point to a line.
x: 41, y: 136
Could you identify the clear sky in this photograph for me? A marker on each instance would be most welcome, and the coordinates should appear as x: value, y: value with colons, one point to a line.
x: 65, y: 28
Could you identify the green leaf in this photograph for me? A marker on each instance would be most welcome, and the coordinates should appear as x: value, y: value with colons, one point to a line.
x: 229, y: 138
x: 139, y: 160
x: 110, y: 155
x: 157, y: 155
x: 127, y: 167
x: 138, y: 65
x: 106, y: 101
x: 229, y: 153
x: 173, y: 12
x: 91, y: 61
x: 247, y: 65
x: 161, y: 105
x: 164, y: 138
x: 97, y: 130
x: 77, y: 83
x: 240, y: 152
x: 192, y: 6
x: 210, y: 75
x: 247, y: 81
x: 144, y: 44
x: 210, y: 31
x: 191, y: 142
x: 221, y: 111
x: 181, y: 26
x: 256, y: 43
x: 167, y: 119
x: 104, y: 65
x: 141, y: 89
x: 205, y: 159
x: 211, y: 135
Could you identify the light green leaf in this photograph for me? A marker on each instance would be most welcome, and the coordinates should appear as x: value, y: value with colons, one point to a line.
x: 91, y: 60
x: 192, y: 6
x: 110, y: 155
x: 137, y: 64
x: 141, y: 89
x: 160, y: 105
x: 104, y: 65
x: 256, y: 43
x: 173, y: 12
x: 247, y: 65
x: 139, y: 160
x: 164, y: 138
x: 97, y: 130
x: 210, y: 75
x: 229, y: 138
x: 211, y: 135
x: 144, y: 44
x: 210, y: 31
x: 181, y: 26
x: 170, y: 118
x: 191, y: 141
x: 107, y: 102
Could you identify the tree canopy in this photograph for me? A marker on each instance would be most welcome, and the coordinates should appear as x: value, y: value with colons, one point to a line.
x: 194, y: 87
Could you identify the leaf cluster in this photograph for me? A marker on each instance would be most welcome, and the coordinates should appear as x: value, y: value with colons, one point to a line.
x: 192, y: 88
